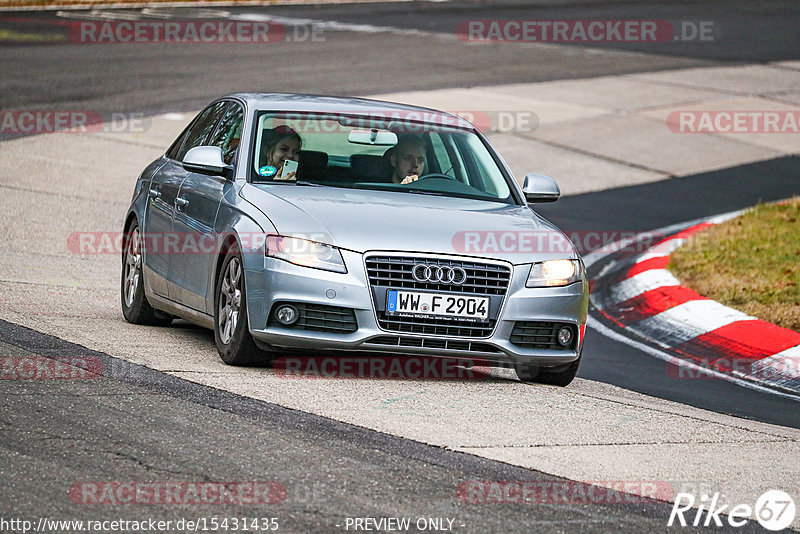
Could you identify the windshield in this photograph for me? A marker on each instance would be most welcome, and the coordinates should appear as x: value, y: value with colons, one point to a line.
x: 382, y: 154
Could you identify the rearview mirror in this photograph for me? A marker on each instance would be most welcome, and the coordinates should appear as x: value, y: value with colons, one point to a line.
x: 372, y: 137
x: 540, y: 188
x: 207, y: 160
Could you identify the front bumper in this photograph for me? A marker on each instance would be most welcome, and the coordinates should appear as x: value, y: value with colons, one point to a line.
x: 281, y: 281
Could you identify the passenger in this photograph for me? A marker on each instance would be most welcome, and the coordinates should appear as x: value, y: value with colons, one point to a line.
x: 408, y: 159
x: 280, y: 144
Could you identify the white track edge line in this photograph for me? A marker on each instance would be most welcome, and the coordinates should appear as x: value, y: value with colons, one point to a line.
x: 597, y: 255
x: 599, y: 327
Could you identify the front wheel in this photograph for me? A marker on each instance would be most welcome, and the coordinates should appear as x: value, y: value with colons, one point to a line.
x: 135, y: 307
x: 234, y: 342
x: 557, y: 376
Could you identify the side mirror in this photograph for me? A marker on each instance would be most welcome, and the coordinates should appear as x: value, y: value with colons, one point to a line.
x: 540, y: 188
x: 207, y: 160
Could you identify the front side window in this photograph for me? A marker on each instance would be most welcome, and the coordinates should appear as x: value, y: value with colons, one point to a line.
x: 382, y: 155
x: 199, y: 131
x: 229, y: 133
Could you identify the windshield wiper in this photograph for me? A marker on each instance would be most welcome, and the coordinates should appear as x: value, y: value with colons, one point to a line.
x: 296, y: 182
x: 425, y: 192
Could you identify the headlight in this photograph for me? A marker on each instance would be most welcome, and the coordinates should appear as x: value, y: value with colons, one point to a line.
x: 554, y: 273
x: 305, y: 253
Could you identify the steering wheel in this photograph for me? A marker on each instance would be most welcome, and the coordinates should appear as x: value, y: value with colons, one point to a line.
x: 434, y: 175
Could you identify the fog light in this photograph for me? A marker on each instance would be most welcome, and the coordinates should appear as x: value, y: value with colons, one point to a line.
x: 287, y: 315
x: 564, y: 336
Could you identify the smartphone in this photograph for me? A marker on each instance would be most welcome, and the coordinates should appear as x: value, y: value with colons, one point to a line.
x: 289, y: 167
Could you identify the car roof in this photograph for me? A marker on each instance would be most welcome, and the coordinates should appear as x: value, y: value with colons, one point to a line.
x: 347, y: 105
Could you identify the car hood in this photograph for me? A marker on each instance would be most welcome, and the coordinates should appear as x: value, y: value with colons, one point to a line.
x: 362, y: 221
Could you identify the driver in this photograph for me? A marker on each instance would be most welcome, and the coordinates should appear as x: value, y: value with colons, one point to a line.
x: 407, y: 159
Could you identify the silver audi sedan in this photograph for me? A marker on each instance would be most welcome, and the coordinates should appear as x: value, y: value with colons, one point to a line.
x: 289, y: 222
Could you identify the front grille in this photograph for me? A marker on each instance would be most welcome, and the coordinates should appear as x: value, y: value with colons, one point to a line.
x: 539, y: 335
x: 436, y: 327
x: 393, y: 272
x: 443, y: 344
x: 320, y: 318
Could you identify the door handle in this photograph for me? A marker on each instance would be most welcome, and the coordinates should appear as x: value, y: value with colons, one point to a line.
x: 180, y: 201
x: 154, y: 193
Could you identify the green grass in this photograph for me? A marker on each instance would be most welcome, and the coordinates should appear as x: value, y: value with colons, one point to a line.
x: 750, y: 263
x: 23, y: 37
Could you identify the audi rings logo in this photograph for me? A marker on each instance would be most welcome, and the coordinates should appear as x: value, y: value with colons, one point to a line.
x: 439, y: 274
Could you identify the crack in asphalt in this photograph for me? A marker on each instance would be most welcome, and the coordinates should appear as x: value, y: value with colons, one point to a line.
x: 155, y: 146
x: 80, y: 395
x: 93, y: 200
x: 624, y: 443
x: 667, y: 412
x: 150, y: 467
x: 596, y: 155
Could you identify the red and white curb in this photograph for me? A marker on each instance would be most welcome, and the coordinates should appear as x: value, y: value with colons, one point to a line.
x: 644, y: 298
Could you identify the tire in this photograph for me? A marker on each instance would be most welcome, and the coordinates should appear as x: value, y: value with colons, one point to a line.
x: 135, y: 307
x: 556, y: 376
x: 231, y: 333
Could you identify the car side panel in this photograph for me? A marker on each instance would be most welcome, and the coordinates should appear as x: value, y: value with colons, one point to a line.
x: 157, y: 225
x: 241, y: 221
x: 190, y: 265
x: 140, y: 191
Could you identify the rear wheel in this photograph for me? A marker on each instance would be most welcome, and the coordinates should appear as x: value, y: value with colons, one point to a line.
x: 231, y: 333
x: 553, y: 376
x: 135, y: 307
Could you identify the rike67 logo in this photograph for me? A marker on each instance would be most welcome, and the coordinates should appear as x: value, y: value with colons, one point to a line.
x: 774, y: 510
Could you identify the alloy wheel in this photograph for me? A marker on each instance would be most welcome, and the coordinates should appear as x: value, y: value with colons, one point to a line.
x: 230, y: 300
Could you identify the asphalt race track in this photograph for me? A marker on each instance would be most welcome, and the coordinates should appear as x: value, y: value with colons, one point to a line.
x: 166, y: 410
x: 666, y: 203
x: 330, y: 469
x: 160, y: 77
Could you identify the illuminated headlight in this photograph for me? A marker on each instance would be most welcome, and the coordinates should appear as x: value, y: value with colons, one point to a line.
x: 555, y: 273
x: 305, y: 253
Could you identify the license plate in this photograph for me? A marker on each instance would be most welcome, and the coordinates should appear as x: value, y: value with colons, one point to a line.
x: 415, y: 304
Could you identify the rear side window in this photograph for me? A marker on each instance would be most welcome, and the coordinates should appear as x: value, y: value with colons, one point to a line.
x: 229, y: 133
x: 200, y: 130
